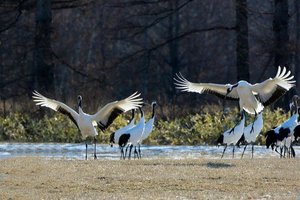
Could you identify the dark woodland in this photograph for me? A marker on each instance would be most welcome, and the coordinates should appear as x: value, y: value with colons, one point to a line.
x: 107, y: 49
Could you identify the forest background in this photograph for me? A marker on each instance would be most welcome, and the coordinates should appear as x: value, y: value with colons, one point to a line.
x: 105, y: 50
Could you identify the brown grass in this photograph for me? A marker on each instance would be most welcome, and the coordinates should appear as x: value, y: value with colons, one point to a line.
x: 40, y: 178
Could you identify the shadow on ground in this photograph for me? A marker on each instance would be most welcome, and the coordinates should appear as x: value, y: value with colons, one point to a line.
x: 218, y: 165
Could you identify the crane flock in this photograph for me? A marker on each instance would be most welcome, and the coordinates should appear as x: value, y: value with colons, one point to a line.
x: 252, y: 98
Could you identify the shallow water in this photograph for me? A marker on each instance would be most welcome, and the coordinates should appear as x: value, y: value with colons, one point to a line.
x: 77, y: 151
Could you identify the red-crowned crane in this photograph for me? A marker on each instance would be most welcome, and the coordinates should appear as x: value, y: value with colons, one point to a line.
x: 86, y: 123
x: 252, y: 97
x: 232, y: 136
x: 251, y: 132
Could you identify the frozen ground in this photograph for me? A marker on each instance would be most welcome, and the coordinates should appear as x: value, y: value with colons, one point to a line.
x: 77, y: 151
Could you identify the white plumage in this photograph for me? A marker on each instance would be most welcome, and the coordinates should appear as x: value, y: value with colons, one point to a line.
x: 251, y: 132
x: 267, y: 91
x: 149, y: 124
x: 134, y: 134
x: 115, y: 137
x: 124, y: 129
x: 233, y: 135
x: 290, y: 123
x: 288, y: 146
x: 148, y: 128
x: 286, y: 141
x: 283, y: 135
x: 85, y: 122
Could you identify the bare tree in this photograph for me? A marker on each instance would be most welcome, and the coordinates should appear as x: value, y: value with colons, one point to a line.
x: 242, y: 46
x: 282, y: 52
x: 280, y: 27
x: 43, y: 72
x: 10, y: 12
x: 297, y: 48
x: 108, y: 48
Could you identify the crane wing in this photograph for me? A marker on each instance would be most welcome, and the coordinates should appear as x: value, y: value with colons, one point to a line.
x: 106, y: 115
x: 219, y: 90
x: 272, y: 89
x: 41, y: 100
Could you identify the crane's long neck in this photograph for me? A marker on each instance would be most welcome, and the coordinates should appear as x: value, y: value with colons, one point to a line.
x: 294, y: 107
x: 142, y: 113
x: 80, y: 111
x: 79, y: 107
x: 132, y: 115
x: 142, y: 116
x: 153, y: 110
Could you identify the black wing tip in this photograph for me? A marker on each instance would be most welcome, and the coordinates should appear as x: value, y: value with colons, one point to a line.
x: 65, y: 112
x: 208, y: 91
x: 113, y: 115
x: 279, y: 92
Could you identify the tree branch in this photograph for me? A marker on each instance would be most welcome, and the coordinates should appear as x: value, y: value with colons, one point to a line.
x: 178, y: 37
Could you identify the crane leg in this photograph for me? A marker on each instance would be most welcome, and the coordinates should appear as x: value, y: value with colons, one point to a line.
x: 244, y: 150
x: 95, y: 151
x: 224, y: 151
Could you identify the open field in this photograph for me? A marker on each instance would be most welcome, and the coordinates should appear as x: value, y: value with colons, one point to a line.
x: 41, y: 178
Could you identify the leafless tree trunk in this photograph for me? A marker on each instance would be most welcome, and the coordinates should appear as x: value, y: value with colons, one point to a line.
x: 297, y: 52
x: 242, y: 47
x: 281, y: 47
x: 280, y: 27
x: 173, y: 46
x: 43, y: 75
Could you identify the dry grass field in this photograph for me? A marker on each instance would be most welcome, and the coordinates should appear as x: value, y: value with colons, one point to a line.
x: 44, y: 178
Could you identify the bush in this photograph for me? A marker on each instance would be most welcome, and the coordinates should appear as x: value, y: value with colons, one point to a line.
x: 12, y: 129
x: 52, y: 129
x: 192, y: 129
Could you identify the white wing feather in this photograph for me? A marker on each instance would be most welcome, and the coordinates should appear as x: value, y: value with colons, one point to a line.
x: 41, y: 100
x: 209, y: 88
x: 273, y: 88
x: 111, y: 110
